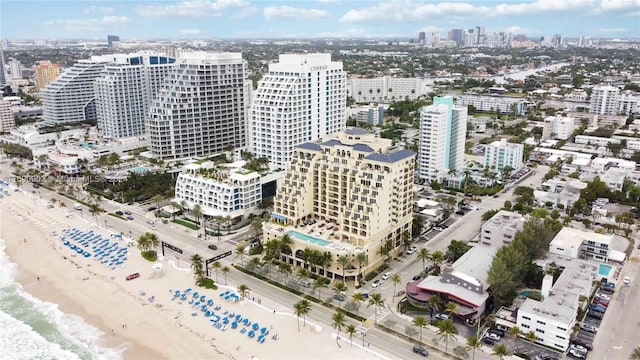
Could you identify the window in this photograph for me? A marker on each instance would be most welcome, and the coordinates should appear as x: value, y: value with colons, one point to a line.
x: 526, y: 317
x: 540, y: 331
x: 541, y: 322
x: 525, y: 326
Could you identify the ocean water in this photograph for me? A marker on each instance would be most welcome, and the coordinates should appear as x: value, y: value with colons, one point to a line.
x: 34, y: 329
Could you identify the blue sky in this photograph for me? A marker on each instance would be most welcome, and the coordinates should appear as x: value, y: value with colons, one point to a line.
x: 24, y: 19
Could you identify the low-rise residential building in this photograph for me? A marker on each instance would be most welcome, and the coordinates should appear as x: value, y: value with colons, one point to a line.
x: 580, y: 244
x: 222, y: 190
x: 602, y: 164
x: 385, y: 89
x: 559, y: 192
x: 501, y: 153
x: 558, y: 127
x: 501, y: 229
x: 371, y: 114
x: 493, y: 103
x: 552, y: 319
x: 595, y: 140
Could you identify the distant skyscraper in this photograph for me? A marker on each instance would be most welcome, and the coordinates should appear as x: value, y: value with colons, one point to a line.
x: 456, y: 35
x: 125, y: 90
x: 3, y: 80
x: 422, y: 38
x: 46, y: 72
x: 7, y: 121
x: 111, y: 39
x: 443, y: 127
x: 604, y: 100
x: 70, y: 97
x: 301, y: 98
x: 15, y: 69
x: 201, y: 109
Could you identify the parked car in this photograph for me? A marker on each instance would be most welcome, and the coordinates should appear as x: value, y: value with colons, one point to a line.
x: 212, y: 247
x: 542, y: 356
x: 128, y: 212
x: 492, y: 336
x: 119, y: 213
x: 577, y: 354
x: 627, y: 280
x: 417, y: 277
x: 429, y: 268
x: 152, y: 208
x: 589, y: 328
x: 376, y: 283
x: 488, y: 341
x: 595, y: 315
x: 597, y: 308
x: 150, y: 222
x: 442, y: 316
x: 603, y: 296
x: 600, y: 301
x: 129, y: 217
x: 132, y: 276
x: 386, y: 275
x: 305, y: 284
x: 412, y: 250
x: 579, y: 348
x: 339, y: 297
x: 420, y: 350
x: 497, y: 332
x: 583, y: 343
x: 165, y: 221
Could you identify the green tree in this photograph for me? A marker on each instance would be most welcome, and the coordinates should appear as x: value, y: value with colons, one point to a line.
x: 531, y: 336
x: 515, y: 332
x: 225, y: 271
x: 358, y: 299
x: 318, y: 284
x: 635, y: 354
x: 240, y: 252
x: 343, y: 260
x: 451, y: 308
x: 395, y: 279
x: 362, y: 259
x: 420, y: 322
x: 456, y: 249
x: 424, y: 256
x: 216, y: 265
x: 435, y: 302
x: 339, y: 321
x: 339, y: 288
x: 501, y: 351
x: 376, y: 300
x: 304, y: 308
x: 446, y: 330
x: 243, y: 290
x: 473, y: 343
x: 351, y: 329
x: 197, y: 267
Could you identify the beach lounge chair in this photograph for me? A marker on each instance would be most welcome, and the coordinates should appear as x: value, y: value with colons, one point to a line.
x: 217, y: 307
x: 255, y: 326
x: 243, y: 330
x: 262, y: 341
x: 251, y: 333
x: 234, y: 325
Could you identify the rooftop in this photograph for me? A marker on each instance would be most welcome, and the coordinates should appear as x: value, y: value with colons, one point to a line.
x: 506, y: 220
x: 570, y: 237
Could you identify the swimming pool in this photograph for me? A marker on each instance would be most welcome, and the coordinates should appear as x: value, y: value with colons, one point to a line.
x: 87, y: 145
x: 604, y: 270
x: 308, y: 238
x: 139, y: 169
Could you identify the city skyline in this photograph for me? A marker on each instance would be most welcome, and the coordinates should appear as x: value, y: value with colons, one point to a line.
x: 133, y: 20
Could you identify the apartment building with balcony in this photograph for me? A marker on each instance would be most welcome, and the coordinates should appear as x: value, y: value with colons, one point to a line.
x: 70, y: 98
x: 604, y: 100
x: 345, y: 194
x: 579, y: 244
x: 501, y: 153
x: 501, y: 229
x: 443, y: 127
x: 45, y: 73
x: 7, y: 121
x: 493, y: 103
x: 220, y: 190
x: 302, y: 98
x: 124, y: 92
x: 201, y: 109
x: 558, y: 127
x: 385, y: 89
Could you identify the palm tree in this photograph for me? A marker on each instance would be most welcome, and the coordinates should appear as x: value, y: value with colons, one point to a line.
x: 339, y: 321
x: 358, y: 299
x: 500, y: 351
x: 420, y: 322
x: 243, y: 290
x: 351, y: 329
x: 447, y: 331
x: 285, y: 269
x: 406, y: 240
x: 339, y: 288
x: 216, y: 265
x: 395, y: 279
x: 225, y: 270
x: 531, y: 336
x: 435, y: 302
x: 376, y: 300
x: 437, y: 258
x: 197, y: 212
x: 196, y: 266
x: 319, y: 283
x: 240, y: 252
x: 343, y: 260
x: 297, y: 310
x: 95, y: 210
x: 153, y: 240
x: 450, y: 307
x: 256, y: 225
x: 424, y: 255
x: 305, y: 308
x: 515, y: 332
x: 635, y: 354
x: 175, y: 205
x: 361, y: 258
x: 143, y: 242
x: 473, y: 343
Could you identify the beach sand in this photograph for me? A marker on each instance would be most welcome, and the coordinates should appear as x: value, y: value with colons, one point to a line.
x: 158, y: 329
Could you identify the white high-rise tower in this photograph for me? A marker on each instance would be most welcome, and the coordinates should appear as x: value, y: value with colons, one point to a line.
x: 302, y: 98
x: 443, y: 127
x: 201, y: 109
x: 125, y: 90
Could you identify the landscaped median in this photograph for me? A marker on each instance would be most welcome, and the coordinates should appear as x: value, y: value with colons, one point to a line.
x: 186, y: 223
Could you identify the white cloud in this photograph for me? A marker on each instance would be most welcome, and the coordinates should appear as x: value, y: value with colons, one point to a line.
x: 402, y: 11
x: 328, y: 1
x: 515, y: 29
x: 196, y: 8
x: 282, y: 12
x: 616, y: 5
x: 430, y: 29
x: 98, y: 9
x: 91, y: 25
x: 190, y: 32
x: 611, y: 31
x: 245, y: 13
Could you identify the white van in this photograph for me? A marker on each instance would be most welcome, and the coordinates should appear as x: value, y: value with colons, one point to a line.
x: 77, y: 206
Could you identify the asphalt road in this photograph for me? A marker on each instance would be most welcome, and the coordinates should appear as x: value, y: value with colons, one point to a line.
x: 619, y: 332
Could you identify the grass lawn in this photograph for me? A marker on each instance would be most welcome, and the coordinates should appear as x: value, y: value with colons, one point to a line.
x: 188, y: 224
